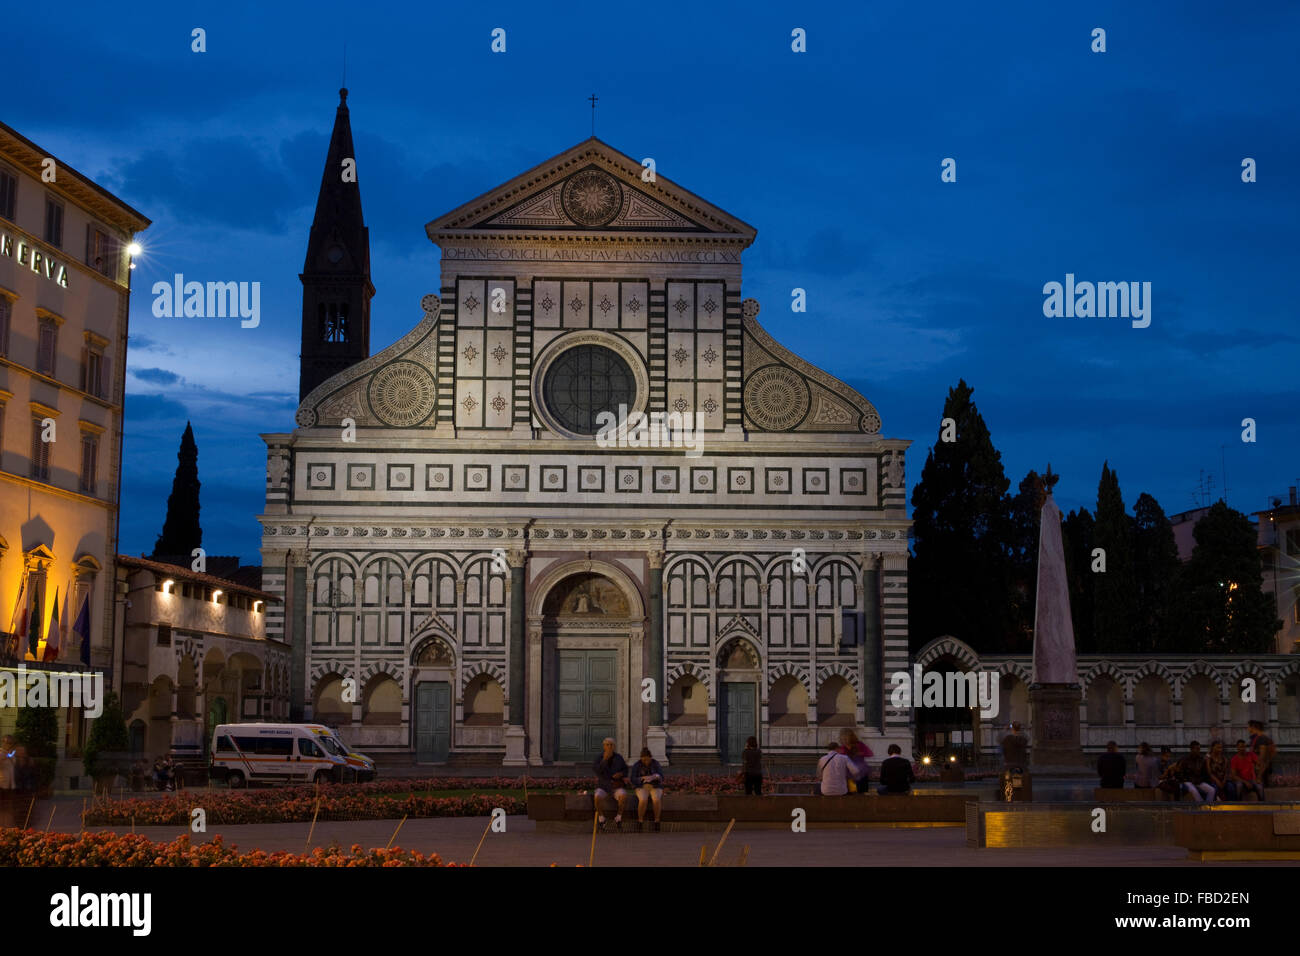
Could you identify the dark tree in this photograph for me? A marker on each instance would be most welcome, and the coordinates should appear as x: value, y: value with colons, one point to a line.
x: 1227, y: 609
x: 960, y: 575
x: 1156, y: 574
x: 1076, y: 537
x: 1022, y: 544
x: 105, y: 753
x: 38, y: 729
x: 1115, y: 592
x: 181, y: 533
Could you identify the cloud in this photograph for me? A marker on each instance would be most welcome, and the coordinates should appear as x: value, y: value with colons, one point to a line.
x: 158, y: 376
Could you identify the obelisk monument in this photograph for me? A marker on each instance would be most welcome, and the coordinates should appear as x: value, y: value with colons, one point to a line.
x: 1054, y: 694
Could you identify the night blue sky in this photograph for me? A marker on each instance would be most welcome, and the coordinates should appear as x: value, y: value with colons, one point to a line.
x: 1117, y: 166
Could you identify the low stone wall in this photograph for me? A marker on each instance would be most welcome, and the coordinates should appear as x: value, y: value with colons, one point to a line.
x: 915, y: 809
x: 1240, y: 833
x: 1070, y: 824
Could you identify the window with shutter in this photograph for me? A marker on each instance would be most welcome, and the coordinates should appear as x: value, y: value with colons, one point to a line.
x: 40, y: 453
x: 89, y: 456
x: 54, y: 222
x: 6, y: 311
x: 8, y: 194
x: 46, y: 348
x: 103, y: 252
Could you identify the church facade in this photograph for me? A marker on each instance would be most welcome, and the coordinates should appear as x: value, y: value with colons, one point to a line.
x: 587, y: 495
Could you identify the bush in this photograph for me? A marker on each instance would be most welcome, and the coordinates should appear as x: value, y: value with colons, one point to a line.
x: 106, y: 752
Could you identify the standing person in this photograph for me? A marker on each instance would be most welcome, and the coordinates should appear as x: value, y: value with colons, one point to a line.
x: 8, y: 778
x: 751, y: 767
x: 857, y: 753
x: 1148, y: 767
x: 1217, y: 765
x: 611, y: 773
x: 1241, y: 771
x: 1195, y: 773
x: 648, y: 782
x: 896, y: 774
x: 1262, y: 746
x: 1111, y: 767
x: 833, y: 772
x: 1015, y: 749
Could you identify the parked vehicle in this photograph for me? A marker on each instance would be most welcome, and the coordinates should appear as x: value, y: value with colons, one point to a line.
x: 361, y: 767
x: 275, y: 753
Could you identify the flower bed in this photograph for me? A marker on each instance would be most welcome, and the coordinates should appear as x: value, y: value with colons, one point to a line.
x: 33, y: 848
x: 289, y: 805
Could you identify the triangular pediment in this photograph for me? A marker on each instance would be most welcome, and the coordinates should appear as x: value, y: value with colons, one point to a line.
x: 591, y: 188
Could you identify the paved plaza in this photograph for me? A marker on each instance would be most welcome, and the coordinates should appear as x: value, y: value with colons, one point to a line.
x: 455, y: 839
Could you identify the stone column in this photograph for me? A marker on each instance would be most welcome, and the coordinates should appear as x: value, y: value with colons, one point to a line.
x: 656, y: 736
x: 516, y: 738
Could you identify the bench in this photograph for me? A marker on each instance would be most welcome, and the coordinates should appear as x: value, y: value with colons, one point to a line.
x: 1238, y: 833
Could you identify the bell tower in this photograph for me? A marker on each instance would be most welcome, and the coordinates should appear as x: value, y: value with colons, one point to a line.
x: 336, y: 286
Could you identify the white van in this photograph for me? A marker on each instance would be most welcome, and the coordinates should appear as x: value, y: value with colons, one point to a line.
x: 275, y: 753
x: 360, y: 766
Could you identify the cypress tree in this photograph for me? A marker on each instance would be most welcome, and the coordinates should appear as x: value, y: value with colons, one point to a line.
x: 1157, y: 571
x: 181, y: 533
x: 1022, y: 543
x: 1227, y: 609
x: 1114, y: 591
x: 1076, y: 537
x: 960, y: 582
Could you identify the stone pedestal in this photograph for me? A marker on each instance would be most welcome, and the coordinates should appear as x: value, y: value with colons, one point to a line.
x: 515, y: 753
x: 1054, y: 717
x: 656, y: 738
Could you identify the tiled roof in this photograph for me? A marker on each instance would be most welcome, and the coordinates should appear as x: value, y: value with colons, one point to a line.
x: 180, y: 572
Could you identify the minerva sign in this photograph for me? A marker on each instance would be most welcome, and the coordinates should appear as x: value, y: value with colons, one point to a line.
x: 34, y: 259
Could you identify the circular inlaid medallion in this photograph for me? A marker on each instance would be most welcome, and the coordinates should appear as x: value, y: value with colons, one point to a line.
x: 402, y: 394
x: 776, y: 398
x: 591, y: 198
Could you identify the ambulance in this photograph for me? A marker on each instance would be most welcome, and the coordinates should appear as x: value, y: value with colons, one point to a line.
x: 360, y: 767
x: 276, y: 753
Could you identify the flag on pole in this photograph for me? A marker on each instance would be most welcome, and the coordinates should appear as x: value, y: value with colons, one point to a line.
x: 12, y: 644
x: 54, y: 638
x: 35, y: 625
x: 82, y: 629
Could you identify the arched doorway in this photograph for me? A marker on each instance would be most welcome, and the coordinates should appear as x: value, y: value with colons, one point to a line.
x: 216, y: 715
x: 586, y: 641
x: 944, y: 732
x: 738, y: 701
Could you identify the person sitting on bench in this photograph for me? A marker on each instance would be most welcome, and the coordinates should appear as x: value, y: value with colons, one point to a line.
x: 1111, y: 766
x: 833, y: 772
x: 611, y: 772
x: 648, y: 782
x: 1242, y: 772
x: 896, y: 774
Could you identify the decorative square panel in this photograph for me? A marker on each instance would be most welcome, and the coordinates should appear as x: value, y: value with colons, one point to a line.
x: 627, y: 479
x: 437, y: 477
x: 591, y: 478
x: 555, y: 478
x: 320, y: 477
x: 547, y: 296
x: 500, y: 305
x: 666, y: 480
x: 704, y: 480
x: 853, y: 481
x: 636, y: 299
x: 816, y: 481
x: 401, y: 477
x: 361, y: 477
x: 779, y: 481
x: 514, y: 477
x: 478, y: 477
x: 740, y: 481
x: 470, y: 301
